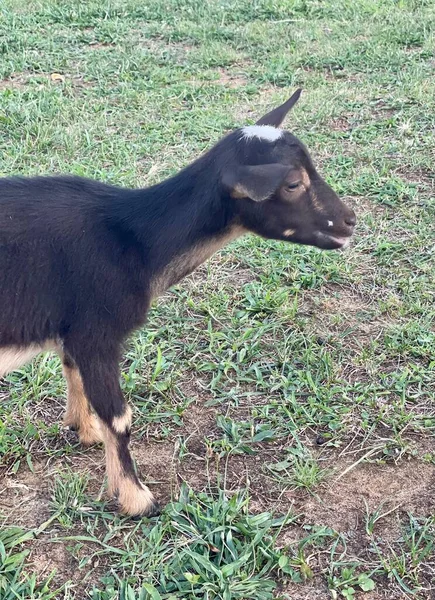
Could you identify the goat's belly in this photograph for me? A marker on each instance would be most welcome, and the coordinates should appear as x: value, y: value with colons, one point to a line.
x: 13, y: 357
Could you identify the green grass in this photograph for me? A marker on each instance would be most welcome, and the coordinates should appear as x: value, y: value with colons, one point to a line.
x: 14, y: 584
x: 283, y: 396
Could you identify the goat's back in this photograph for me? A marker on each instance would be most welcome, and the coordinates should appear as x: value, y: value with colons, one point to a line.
x: 65, y: 264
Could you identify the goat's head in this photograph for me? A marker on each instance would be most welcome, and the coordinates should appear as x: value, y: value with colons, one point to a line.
x: 278, y: 192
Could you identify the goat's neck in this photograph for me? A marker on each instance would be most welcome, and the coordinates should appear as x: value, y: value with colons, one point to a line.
x: 190, y: 258
x: 185, y: 220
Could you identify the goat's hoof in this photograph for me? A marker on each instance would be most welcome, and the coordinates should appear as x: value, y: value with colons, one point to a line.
x: 89, y: 438
x: 89, y: 432
x: 69, y: 423
x: 72, y: 427
x: 137, y: 501
x: 153, y: 511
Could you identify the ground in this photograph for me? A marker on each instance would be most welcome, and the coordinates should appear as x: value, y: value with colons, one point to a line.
x: 283, y: 396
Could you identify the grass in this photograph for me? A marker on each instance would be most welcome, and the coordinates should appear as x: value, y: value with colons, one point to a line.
x: 205, y: 546
x: 14, y: 584
x: 283, y: 396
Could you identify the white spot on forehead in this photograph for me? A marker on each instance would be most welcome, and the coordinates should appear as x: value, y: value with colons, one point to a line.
x: 330, y: 223
x: 263, y: 132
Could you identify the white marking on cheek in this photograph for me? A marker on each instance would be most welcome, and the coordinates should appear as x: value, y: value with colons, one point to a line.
x: 289, y: 232
x: 263, y: 132
x: 330, y: 223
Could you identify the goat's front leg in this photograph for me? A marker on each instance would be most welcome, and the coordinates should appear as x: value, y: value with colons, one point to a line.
x: 78, y: 415
x: 101, y: 386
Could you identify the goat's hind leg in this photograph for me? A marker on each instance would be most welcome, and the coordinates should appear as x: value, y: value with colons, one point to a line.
x: 78, y: 415
x: 101, y: 385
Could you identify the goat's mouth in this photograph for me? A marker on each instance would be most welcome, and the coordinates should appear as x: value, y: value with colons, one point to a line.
x: 327, y: 241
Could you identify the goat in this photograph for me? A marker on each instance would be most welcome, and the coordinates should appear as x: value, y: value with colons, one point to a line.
x: 81, y: 261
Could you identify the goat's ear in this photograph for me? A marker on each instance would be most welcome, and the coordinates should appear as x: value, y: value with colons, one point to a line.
x: 257, y: 182
x: 276, y: 116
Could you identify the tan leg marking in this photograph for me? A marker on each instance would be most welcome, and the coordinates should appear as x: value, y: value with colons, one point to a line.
x: 122, y: 423
x: 78, y: 412
x: 134, y: 498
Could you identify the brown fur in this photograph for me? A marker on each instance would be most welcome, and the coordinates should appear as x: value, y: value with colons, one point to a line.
x: 78, y: 411
x: 306, y: 181
x: 187, y: 262
x: 311, y: 192
x: 134, y: 498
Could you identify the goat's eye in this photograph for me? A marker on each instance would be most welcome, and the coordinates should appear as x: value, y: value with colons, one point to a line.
x: 293, y: 186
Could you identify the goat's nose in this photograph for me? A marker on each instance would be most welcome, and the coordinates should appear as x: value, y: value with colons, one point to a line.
x: 350, y: 219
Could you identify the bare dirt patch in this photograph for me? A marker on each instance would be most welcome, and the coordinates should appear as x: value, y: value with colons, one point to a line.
x: 343, y: 312
x: 179, y: 51
x: 17, y: 81
x: 381, y: 109
x: 340, y: 124
x: 231, y: 79
x: 158, y: 44
x: 100, y: 45
x: 48, y: 557
x: 364, y: 206
x: 307, y: 592
x: 20, y: 81
x: 331, y: 73
x: 227, y: 270
x: 344, y: 504
x: 24, y: 499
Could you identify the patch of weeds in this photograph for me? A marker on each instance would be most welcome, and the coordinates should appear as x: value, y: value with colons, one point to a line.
x: 419, y: 539
x: 68, y: 496
x: 414, y: 339
x: 240, y: 437
x: 296, y: 562
x: 18, y: 437
x: 410, y: 560
x: 386, y: 190
x: 349, y: 580
x: 263, y: 301
x: 14, y: 583
x: 299, y: 469
x: 125, y: 591
x: 200, y: 547
x: 372, y: 518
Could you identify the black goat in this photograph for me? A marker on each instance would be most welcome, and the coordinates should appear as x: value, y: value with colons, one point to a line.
x: 80, y: 262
